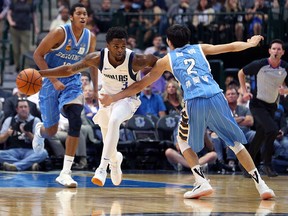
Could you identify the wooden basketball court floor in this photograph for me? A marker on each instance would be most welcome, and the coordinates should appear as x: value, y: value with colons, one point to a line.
x: 37, y: 193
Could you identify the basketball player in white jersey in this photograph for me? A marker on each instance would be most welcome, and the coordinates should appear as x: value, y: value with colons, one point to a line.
x: 119, y: 67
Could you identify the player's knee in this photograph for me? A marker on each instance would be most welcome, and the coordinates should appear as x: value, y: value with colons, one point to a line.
x: 73, y: 113
x: 237, y: 147
x: 50, y: 132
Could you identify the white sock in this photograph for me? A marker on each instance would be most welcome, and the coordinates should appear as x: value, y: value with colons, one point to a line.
x: 256, y: 176
x: 104, y: 163
x: 198, y: 174
x: 67, y: 164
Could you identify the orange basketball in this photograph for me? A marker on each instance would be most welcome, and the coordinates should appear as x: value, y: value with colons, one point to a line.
x: 29, y: 81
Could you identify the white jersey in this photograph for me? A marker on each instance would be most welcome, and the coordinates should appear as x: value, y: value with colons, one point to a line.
x: 117, y: 79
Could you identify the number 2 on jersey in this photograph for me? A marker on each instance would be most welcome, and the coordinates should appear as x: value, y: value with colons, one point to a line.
x: 191, y: 63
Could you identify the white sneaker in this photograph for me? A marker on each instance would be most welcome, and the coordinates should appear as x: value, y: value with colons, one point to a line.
x: 38, y: 141
x: 99, y: 177
x: 116, y: 172
x: 200, y: 189
x: 264, y: 191
x: 66, y: 180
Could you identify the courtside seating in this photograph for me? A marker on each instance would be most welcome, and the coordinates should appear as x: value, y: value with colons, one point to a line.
x: 165, y: 128
x: 148, y: 151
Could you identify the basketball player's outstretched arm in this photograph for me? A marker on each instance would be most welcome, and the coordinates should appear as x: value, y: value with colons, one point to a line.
x: 236, y: 46
x: 91, y: 60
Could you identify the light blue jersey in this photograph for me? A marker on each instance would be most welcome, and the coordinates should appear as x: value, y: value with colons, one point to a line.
x: 206, y: 105
x: 69, y: 52
x: 191, y: 68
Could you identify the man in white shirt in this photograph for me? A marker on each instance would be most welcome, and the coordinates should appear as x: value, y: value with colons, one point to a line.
x: 61, y: 19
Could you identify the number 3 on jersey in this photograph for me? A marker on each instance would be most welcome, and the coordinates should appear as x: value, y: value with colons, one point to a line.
x: 125, y: 85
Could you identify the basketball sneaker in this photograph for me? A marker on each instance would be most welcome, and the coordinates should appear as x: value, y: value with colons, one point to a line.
x: 264, y: 191
x: 116, y: 172
x: 99, y: 177
x: 66, y: 180
x: 200, y: 189
x: 38, y: 141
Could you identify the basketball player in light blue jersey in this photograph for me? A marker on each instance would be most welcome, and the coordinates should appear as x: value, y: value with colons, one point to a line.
x: 205, y: 103
x: 65, y: 45
x: 119, y: 68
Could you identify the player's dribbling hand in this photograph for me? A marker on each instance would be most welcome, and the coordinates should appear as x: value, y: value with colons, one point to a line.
x: 105, y: 99
x: 255, y: 40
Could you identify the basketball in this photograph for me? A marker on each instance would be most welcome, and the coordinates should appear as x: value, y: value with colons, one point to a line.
x: 29, y: 81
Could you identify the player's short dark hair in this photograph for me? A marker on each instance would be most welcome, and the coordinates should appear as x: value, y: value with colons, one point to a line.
x: 179, y: 35
x: 74, y: 6
x: 116, y: 32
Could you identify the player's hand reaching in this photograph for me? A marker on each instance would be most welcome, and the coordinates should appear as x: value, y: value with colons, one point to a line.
x: 105, y: 99
x: 255, y: 40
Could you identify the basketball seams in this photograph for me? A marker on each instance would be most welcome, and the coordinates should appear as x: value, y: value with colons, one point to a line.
x: 29, y: 81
